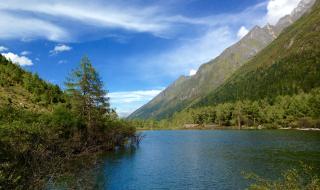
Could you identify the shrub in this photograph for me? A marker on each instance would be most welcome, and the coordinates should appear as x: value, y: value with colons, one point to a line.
x: 292, y: 179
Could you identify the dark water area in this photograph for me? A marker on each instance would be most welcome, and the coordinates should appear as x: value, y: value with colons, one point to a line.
x: 200, y: 159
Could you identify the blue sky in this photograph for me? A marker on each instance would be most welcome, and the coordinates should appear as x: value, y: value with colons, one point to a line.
x: 139, y: 47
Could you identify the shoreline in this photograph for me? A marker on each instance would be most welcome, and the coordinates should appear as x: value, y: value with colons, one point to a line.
x: 225, y: 128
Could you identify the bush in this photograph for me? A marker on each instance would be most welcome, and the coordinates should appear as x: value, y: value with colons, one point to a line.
x: 292, y: 179
x: 305, y: 122
x: 64, y: 122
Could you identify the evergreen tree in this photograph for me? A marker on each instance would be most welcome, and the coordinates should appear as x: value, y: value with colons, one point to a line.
x: 87, y: 95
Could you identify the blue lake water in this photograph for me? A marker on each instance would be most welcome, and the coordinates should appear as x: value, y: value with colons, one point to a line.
x: 201, y: 159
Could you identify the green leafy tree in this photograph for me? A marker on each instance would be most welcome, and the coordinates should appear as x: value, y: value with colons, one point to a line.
x: 238, y: 113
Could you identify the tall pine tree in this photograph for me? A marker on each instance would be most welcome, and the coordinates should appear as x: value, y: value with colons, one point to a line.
x: 87, y: 95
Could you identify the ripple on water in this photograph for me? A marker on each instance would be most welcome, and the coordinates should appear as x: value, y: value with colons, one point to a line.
x: 207, y: 159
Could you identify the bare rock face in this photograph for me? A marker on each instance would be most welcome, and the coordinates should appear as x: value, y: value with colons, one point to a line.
x: 185, y: 90
x: 303, y: 7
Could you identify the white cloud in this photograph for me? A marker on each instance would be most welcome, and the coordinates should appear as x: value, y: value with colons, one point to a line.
x: 242, y: 32
x: 132, y: 96
x: 194, y: 51
x: 20, y: 60
x: 60, y: 48
x: 62, y: 21
x: 2, y: 48
x: 279, y: 8
x: 215, y: 34
x: 52, y: 19
x: 24, y: 28
x: 62, y: 61
x: 128, y: 101
x: 138, y: 19
x: 190, y: 53
x: 25, y: 53
x: 99, y: 14
x: 192, y: 72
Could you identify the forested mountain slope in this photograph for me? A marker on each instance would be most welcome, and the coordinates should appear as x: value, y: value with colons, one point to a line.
x: 211, y: 75
x: 289, y: 65
x: 25, y: 90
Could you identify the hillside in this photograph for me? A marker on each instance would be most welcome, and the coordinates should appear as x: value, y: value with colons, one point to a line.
x: 25, y: 90
x: 42, y: 129
x: 289, y: 65
x: 210, y: 76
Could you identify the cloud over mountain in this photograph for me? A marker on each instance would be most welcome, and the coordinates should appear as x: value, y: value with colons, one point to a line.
x: 20, y: 60
x: 242, y: 32
x: 279, y: 8
x: 128, y: 101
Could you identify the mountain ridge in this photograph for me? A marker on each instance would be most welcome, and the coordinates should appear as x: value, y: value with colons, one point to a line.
x: 288, y: 66
x: 211, y: 75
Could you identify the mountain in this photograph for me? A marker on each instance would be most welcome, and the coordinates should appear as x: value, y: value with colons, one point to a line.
x: 211, y: 75
x: 25, y: 90
x: 289, y: 65
x: 302, y: 8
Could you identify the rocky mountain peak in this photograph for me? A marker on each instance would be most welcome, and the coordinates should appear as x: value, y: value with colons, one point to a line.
x: 270, y: 30
x: 211, y: 75
x: 303, y: 7
x: 254, y: 32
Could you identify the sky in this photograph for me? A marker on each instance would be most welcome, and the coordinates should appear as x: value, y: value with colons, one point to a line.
x: 138, y: 47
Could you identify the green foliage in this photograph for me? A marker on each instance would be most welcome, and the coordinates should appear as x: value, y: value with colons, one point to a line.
x: 25, y: 85
x: 185, y: 90
x: 87, y: 96
x: 37, y: 143
x: 288, y: 66
x: 297, y: 111
x: 292, y: 179
x: 64, y: 121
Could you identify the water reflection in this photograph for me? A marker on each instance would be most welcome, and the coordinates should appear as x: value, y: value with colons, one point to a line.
x: 209, y: 159
x: 202, y: 159
x: 87, y: 172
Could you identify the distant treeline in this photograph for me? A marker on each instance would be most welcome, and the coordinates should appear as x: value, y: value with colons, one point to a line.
x: 49, y: 127
x: 297, y: 111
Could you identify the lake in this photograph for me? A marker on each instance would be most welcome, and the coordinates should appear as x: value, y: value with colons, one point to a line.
x: 206, y: 159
